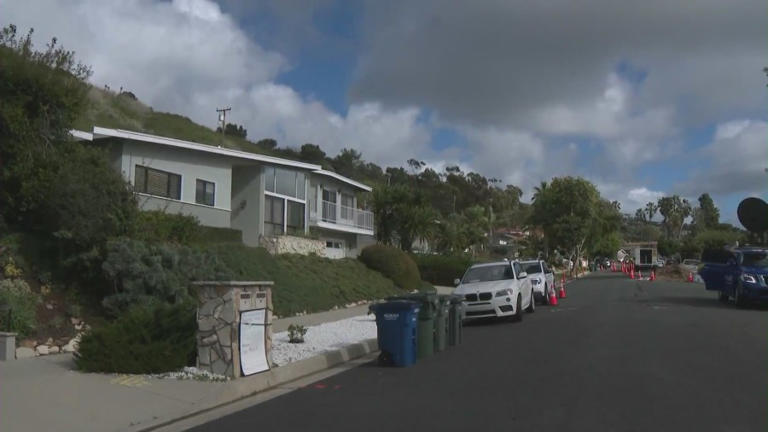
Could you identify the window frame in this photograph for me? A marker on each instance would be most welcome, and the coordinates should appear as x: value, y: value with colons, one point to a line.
x: 144, y: 189
x: 213, y: 195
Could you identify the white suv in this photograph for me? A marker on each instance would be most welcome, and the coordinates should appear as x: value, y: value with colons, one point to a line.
x: 542, y: 279
x: 496, y: 289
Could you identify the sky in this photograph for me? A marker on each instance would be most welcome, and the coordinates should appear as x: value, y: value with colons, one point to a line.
x: 643, y: 98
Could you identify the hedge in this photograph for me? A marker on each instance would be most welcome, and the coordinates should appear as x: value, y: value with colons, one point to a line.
x: 151, y: 338
x: 442, y: 269
x: 394, y: 264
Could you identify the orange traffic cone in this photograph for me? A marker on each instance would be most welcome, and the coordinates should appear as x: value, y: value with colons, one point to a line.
x: 653, y: 276
x: 631, y: 272
x: 552, y: 298
x: 561, y: 293
x: 690, y: 276
x: 639, y: 274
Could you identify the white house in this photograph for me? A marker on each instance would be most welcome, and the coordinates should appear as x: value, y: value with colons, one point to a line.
x: 265, y: 197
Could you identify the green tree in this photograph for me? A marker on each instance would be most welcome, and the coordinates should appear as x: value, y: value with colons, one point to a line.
x: 707, y: 215
x: 234, y: 130
x: 41, y: 95
x: 566, y: 211
x: 312, y: 153
x: 674, y: 210
x: 651, y: 208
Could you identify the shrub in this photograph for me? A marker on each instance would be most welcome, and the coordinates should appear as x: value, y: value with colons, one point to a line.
x: 23, y: 303
x: 296, y: 333
x: 141, y: 272
x: 158, y: 226
x: 151, y: 338
x: 442, y: 269
x: 394, y: 264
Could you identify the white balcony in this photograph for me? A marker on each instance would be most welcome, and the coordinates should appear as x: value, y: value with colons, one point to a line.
x: 336, y: 216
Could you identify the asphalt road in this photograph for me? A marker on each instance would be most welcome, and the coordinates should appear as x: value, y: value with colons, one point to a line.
x: 616, y: 355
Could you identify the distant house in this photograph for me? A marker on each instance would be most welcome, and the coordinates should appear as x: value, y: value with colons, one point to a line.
x: 267, y: 198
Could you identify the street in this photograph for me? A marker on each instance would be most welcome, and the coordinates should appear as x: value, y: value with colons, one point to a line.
x: 616, y: 355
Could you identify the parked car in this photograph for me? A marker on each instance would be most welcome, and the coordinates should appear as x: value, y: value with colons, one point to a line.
x: 542, y: 279
x: 740, y: 274
x: 497, y: 289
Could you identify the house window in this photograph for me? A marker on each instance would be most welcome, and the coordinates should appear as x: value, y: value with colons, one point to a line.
x: 285, y: 182
x: 205, y: 192
x: 347, y: 206
x: 273, y: 215
x: 295, y: 221
x: 329, y: 205
x: 155, y: 182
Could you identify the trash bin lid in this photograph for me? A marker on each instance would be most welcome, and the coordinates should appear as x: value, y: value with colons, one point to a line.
x: 396, y: 305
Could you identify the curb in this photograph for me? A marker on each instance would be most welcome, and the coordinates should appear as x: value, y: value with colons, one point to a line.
x: 245, y: 387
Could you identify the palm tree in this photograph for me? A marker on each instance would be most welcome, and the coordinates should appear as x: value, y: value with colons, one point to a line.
x: 539, y: 190
x: 651, y: 208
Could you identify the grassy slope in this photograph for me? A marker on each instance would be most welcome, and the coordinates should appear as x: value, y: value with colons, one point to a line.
x: 107, y: 109
x: 306, y: 283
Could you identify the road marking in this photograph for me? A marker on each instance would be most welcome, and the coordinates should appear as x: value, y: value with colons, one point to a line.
x: 130, y: 380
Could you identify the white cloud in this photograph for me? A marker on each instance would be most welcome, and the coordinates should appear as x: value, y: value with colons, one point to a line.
x: 188, y: 57
x: 734, y: 162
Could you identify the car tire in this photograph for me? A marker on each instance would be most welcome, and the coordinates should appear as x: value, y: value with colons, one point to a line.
x: 738, y: 296
x: 518, y: 316
x: 546, y: 295
x: 532, y: 304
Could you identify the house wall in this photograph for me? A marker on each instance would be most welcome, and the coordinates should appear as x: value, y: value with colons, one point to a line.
x: 248, y: 202
x: 191, y: 166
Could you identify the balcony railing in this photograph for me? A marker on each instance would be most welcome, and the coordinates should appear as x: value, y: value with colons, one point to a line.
x: 347, y: 216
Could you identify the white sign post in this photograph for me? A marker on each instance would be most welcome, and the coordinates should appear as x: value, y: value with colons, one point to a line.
x: 253, y: 352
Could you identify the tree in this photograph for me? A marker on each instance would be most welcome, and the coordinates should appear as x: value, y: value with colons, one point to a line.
x: 234, y: 130
x: 267, y: 143
x: 539, y: 190
x: 346, y: 162
x: 41, y: 95
x: 640, y: 215
x: 706, y: 216
x: 566, y: 210
x: 674, y: 210
x: 312, y: 153
x: 651, y: 208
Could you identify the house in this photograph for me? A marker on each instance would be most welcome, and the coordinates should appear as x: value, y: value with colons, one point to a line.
x: 273, y: 201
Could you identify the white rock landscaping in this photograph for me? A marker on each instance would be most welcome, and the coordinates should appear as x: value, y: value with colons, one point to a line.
x: 322, y: 338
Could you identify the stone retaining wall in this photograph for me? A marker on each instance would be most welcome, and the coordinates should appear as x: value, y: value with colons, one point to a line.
x: 285, y: 244
x: 218, y: 322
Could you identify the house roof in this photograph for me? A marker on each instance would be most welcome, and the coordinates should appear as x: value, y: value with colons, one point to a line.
x: 101, y: 132
x: 341, y: 178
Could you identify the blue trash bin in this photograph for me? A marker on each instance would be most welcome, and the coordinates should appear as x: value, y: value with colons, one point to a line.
x: 396, y: 324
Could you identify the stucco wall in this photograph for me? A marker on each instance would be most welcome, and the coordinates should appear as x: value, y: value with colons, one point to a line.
x: 190, y: 165
x: 208, y: 216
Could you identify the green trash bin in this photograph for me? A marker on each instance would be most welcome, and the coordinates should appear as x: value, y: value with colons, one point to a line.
x: 441, y: 322
x: 455, y: 320
x: 425, y: 334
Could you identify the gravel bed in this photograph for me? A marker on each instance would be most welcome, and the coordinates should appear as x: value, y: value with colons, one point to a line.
x: 324, y: 337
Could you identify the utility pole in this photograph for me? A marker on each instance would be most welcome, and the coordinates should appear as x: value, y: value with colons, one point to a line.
x: 223, y: 117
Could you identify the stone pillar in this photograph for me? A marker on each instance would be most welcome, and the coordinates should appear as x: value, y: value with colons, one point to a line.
x: 220, y: 304
x: 7, y: 346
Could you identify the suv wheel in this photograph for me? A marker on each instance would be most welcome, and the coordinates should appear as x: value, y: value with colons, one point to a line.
x: 532, y: 305
x: 518, y: 316
x: 546, y: 294
x: 738, y: 296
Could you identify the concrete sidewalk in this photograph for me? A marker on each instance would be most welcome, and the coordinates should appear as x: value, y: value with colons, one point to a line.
x: 47, y: 393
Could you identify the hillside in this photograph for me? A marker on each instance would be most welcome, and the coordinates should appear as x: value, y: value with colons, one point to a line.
x: 119, y: 111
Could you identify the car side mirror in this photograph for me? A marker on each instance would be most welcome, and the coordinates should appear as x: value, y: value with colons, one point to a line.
x: 456, y: 282
x: 522, y: 275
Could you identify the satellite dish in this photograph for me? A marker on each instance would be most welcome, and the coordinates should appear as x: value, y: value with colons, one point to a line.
x: 753, y: 214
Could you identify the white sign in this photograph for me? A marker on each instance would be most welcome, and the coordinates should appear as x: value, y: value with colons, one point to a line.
x: 253, y: 352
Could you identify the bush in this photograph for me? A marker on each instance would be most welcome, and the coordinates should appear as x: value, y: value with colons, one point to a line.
x: 151, y: 338
x: 140, y: 272
x: 442, y: 269
x: 394, y: 264
x: 158, y: 226
x: 23, y: 303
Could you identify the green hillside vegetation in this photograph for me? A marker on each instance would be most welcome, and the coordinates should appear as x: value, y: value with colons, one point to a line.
x: 121, y: 111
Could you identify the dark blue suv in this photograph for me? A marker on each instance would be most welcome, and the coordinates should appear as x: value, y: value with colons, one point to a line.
x: 740, y: 273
